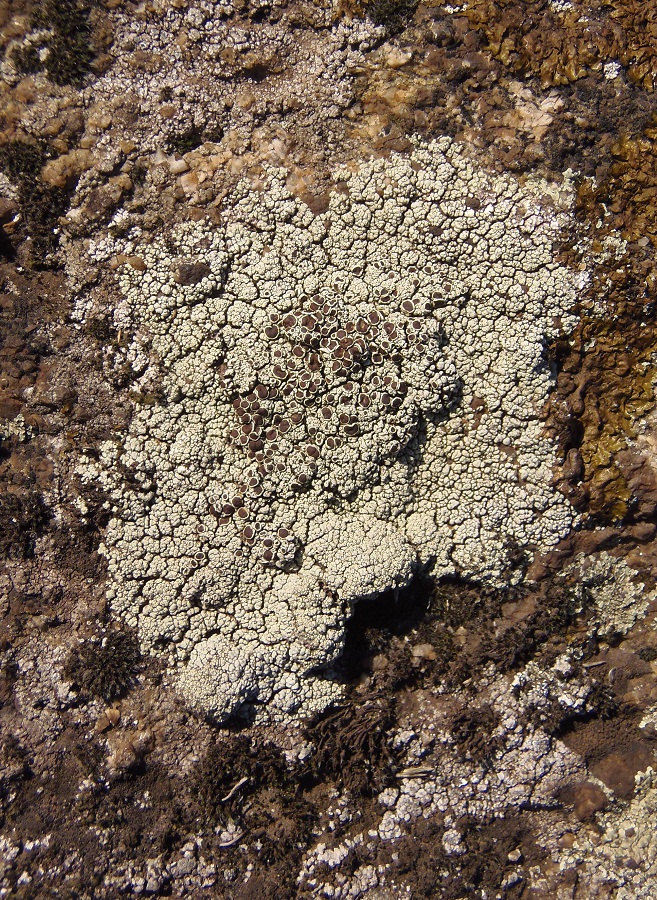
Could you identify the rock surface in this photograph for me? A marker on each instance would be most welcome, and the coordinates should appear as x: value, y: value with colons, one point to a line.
x: 400, y: 548
x: 341, y: 408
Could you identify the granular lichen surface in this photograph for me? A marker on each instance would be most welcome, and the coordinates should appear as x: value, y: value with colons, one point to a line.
x: 346, y: 399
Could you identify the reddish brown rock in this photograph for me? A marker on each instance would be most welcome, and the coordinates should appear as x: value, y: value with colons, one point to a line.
x: 588, y: 799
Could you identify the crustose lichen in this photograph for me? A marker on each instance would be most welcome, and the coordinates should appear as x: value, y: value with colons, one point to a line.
x: 348, y: 398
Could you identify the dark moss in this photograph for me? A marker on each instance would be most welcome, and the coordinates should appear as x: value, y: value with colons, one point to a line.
x: 70, y: 53
x: 483, y: 868
x: 353, y: 743
x: 99, y: 328
x: 6, y: 247
x: 23, y: 517
x: 185, y: 141
x: 191, y: 138
x: 602, y: 702
x: 506, y: 626
x: 227, y: 762
x: 458, y: 604
x: 15, y: 766
x: 27, y: 60
x: 445, y: 650
x: 392, y: 14
x: 519, y: 643
x: 139, y: 173
x: 472, y: 730
x: 40, y: 205
x: 8, y: 677
x: 105, y: 666
x: 22, y: 159
x: 257, y: 72
x: 248, y: 787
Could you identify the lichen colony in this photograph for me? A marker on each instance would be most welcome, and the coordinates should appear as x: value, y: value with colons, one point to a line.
x: 344, y: 399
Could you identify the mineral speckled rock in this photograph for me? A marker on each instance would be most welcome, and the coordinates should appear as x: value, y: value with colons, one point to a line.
x: 348, y: 398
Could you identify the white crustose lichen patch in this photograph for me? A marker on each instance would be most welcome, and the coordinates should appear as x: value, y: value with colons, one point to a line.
x: 346, y: 398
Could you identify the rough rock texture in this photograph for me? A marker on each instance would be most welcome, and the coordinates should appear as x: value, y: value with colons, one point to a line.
x: 492, y: 735
x: 346, y: 398
x: 619, y: 860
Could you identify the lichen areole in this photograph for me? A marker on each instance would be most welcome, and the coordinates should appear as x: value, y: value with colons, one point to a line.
x: 348, y: 398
